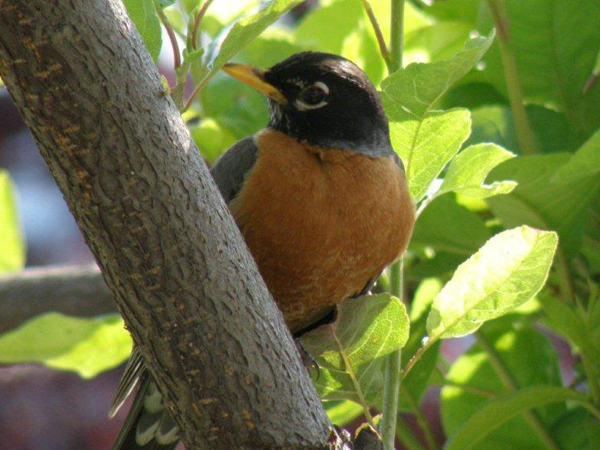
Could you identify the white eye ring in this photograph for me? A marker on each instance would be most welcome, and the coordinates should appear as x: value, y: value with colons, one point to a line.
x: 302, y: 106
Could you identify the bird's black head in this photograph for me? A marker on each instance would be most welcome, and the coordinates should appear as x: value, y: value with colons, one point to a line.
x: 322, y: 99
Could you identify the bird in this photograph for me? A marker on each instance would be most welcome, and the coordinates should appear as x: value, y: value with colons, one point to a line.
x: 320, y: 197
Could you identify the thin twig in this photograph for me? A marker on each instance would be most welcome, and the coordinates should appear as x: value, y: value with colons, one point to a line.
x: 356, y: 384
x: 397, y: 35
x: 196, y: 91
x: 417, y: 356
x: 197, y: 22
x: 378, y: 34
x: 525, y: 134
x: 393, y: 365
x: 165, y: 21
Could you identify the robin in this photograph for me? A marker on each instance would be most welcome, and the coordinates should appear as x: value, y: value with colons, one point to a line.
x: 320, y: 197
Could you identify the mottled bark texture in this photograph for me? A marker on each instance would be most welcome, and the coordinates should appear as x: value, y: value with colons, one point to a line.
x: 169, y: 251
x: 73, y: 290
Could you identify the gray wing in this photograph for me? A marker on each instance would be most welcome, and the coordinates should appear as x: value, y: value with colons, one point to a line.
x: 153, y: 425
x: 231, y: 169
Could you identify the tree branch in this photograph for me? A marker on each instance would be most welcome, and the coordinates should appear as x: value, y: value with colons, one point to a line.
x: 72, y: 290
x: 169, y: 251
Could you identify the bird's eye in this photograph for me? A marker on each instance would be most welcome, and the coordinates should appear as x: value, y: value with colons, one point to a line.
x: 312, y: 97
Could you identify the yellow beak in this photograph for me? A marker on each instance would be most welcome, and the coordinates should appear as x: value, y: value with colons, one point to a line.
x: 254, y: 77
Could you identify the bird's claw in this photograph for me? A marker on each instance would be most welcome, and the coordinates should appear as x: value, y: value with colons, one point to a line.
x: 307, y: 359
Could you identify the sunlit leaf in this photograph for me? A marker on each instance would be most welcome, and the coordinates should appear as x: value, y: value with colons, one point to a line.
x: 12, y: 248
x: 85, y: 346
x: 426, y: 144
x: 506, y: 272
x: 467, y: 172
x: 419, y: 86
x: 342, y: 412
x: 351, y: 351
x: 248, y: 28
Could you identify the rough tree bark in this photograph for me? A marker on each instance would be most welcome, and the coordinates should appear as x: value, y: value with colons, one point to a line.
x: 169, y: 251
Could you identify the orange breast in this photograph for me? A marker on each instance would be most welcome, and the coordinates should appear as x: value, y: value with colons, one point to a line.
x: 321, y: 223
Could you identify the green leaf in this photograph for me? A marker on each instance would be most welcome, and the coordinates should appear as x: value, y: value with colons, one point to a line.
x: 442, y: 226
x: 248, y: 28
x: 506, y: 272
x: 435, y: 42
x: 468, y: 171
x: 143, y: 15
x: 351, y: 351
x: 12, y: 248
x: 496, y: 124
x: 500, y: 410
x: 316, y: 31
x: 567, y: 431
x: 415, y: 383
x: 341, y: 413
x: 555, y: 45
x: 585, y: 163
x: 165, y: 3
x: 542, y: 200
x: 419, y: 86
x: 434, y: 264
x: 426, y: 140
x: 472, y: 381
x: 226, y: 12
x: 463, y: 10
x: 565, y: 320
x: 86, y: 346
x: 426, y: 144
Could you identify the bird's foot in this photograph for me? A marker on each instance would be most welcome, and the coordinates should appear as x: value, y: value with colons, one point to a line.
x: 307, y: 359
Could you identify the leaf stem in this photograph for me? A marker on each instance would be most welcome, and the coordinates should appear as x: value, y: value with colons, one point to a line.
x: 196, y: 90
x: 352, y: 375
x: 591, y: 379
x: 397, y: 35
x: 565, y: 280
x: 525, y: 134
x: 378, y: 34
x: 417, y: 356
x: 165, y: 21
x: 511, y: 385
x: 393, y: 363
x: 392, y: 373
x: 197, y: 21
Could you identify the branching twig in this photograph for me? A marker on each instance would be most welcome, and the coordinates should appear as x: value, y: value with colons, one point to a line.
x: 197, y: 21
x: 165, y: 21
x: 72, y: 290
x: 378, y: 34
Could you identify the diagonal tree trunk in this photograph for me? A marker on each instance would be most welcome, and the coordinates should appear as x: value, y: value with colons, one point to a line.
x: 169, y: 251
